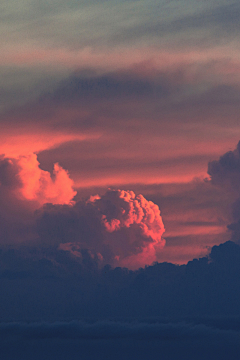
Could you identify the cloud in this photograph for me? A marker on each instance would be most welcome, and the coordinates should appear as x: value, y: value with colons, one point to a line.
x: 24, y: 187
x: 122, y: 84
x: 235, y: 227
x: 119, y: 227
x: 50, y: 284
x: 103, y: 25
x: 130, y: 118
x: 15, y: 214
x: 124, y: 89
x: 226, y: 171
x: 39, y: 186
x: 22, y: 178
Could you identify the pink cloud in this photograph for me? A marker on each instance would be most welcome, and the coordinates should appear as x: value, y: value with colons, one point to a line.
x: 142, y: 58
x: 37, y: 184
x: 134, y: 225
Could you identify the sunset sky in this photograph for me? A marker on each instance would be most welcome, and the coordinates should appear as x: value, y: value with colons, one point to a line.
x: 119, y: 179
x: 131, y: 95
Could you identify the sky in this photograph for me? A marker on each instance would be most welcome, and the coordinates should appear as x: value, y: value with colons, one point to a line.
x: 132, y: 95
x: 119, y: 146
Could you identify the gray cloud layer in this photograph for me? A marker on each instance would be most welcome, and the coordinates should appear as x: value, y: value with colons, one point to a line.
x: 115, y: 23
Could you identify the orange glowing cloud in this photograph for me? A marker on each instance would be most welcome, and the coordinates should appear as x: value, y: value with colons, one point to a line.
x: 19, y: 141
x: 37, y: 184
x: 24, y: 188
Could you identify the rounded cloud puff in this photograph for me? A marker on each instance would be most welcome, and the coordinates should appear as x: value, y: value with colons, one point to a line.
x: 38, y: 185
x: 122, y: 210
x: 119, y: 228
x: 226, y: 171
x: 24, y: 187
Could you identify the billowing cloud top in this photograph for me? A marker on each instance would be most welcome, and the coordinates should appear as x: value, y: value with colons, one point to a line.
x: 25, y: 187
x: 118, y: 228
x: 38, y: 185
x: 122, y: 210
x: 30, y: 182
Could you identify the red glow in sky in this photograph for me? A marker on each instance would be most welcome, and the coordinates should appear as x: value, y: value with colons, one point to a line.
x: 142, y: 104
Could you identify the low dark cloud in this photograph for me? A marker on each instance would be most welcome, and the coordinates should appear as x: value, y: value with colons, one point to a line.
x: 46, y: 283
x: 107, y: 340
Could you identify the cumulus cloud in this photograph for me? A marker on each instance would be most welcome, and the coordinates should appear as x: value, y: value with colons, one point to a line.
x: 226, y: 171
x: 25, y: 187
x: 15, y: 213
x: 119, y: 227
x: 38, y: 185
x: 122, y: 210
x: 24, y: 178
